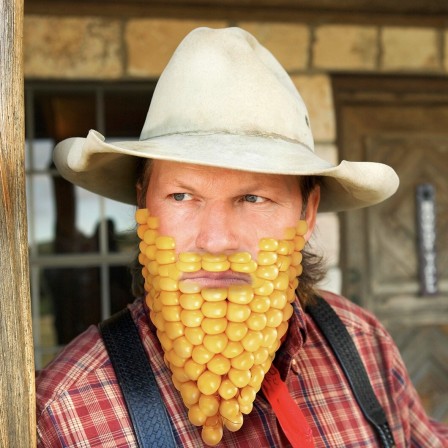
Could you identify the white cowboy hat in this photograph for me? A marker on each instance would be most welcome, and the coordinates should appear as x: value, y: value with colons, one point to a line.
x: 223, y: 100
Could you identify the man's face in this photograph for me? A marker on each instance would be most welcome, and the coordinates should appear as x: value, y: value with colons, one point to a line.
x: 223, y: 211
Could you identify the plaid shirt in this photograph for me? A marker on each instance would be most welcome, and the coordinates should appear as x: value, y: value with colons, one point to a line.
x: 79, y: 403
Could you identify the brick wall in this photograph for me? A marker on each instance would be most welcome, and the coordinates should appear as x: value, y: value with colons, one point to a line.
x: 96, y: 48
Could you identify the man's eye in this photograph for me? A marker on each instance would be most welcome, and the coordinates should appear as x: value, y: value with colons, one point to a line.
x: 181, y: 196
x: 253, y: 198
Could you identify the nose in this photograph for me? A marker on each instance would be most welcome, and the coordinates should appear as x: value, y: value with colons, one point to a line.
x: 217, y: 233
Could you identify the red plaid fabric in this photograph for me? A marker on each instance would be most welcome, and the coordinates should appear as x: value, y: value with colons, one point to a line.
x: 79, y: 403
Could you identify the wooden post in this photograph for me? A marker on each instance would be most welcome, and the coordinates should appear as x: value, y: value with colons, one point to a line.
x: 17, y: 397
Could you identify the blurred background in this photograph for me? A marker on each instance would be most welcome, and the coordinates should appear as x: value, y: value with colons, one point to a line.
x: 374, y: 78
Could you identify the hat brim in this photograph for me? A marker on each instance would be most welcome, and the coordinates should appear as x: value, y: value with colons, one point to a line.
x: 109, y: 169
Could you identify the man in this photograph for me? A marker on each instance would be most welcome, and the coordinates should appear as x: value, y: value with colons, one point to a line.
x: 228, y: 187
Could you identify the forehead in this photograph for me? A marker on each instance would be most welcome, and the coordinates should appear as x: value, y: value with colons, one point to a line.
x: 167, y: 173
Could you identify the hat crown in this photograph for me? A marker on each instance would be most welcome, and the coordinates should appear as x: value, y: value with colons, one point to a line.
x: 224, y: 81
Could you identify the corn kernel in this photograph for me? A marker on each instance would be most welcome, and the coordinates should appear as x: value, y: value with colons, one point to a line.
x: 215, y: 343
x: 240, y: 257
x: 195, y: 335
x: 240, y: 294
x: 240, y: 378
x: 256, y: 377
x: 260, y: 304
x: 158, y: 321
x: 156, y: 304
x: 219, y: 364
x: 176, y: 383
x: 189, y: 287
x: 299, y: 242
x: 283, y: 263
x: 151, y: 252
x: 237, y: 313
x: 218, y: 266
x: 213, y: 258
x: 169, y: 297
x: 141, y: 215
x: 236, y: 331
x: 142, y: 259
x: 261, y: 355
x: 190, y: 393
x: 288, y: 311
x: 209, y: 382
x: 141, y: 229
x: 246, y: 408
x: 168, y: 284
x: 282, y: 329
x: 153, y: 222
x: 246, y: 268
x: 265, y: 290
x: 212, y: 435
x: 229, y: 409
x: 227, y: 389
x: 267, y: 272
x: 196, y: 416
x: 193, y: 370
x: 281, y: 282
x: 299, y: 269
x: 150, y: 236
x: 171, y: 313
x: 180, y: 374
x: 274, y: 317
x: 175, y: 359
x: 266, y: 365
x: 153, y: 268
x: 191, y: 318
x: 284, y: 248
x: 266, y: 258
x: 247, y: 395
x: 191, y: 266
x: 165, y: 243
x: 278, y: 299
x: 209, y: 405
x: 174, y: 329
x: 182, y: 347
x: 214, y: 309
x: 165, y: 341
x: 268, y: 244
x: 235, y: 424
x: 165, y: 256
x: 233, y: 349
x: 191, y: 301
x: 201, y: 355
x: 290, y: 233
x: 296, y: 258
x: 214, y: 326
x: 252, y: 341
x: 302, y: 227
x: 214, y: 294
x: 189, y: 257
x: 256, y: 321
x: 244, y: 361
x: 269, y: 336
x: 142, y: 246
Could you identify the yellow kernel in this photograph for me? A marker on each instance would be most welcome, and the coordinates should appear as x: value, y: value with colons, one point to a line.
x: 291, y: 293
x: 299, y: 242
x: 278, y: 299
x: 158, y: 320
x: 288, y: 311
x: 274, y: 317
x: 265, y: 366
x: 214, y: 309
x: 240, y: 378
x: 265, y: 290
x: 201, y: 355
x: 168, y: 284
x: 164, y: 270
x: 171, y: 313
x: 189, y: 286
x: 176, y: 383
x: 256, y: 282
x: 191, y: 301
x: 195, y: 335
x: 261, y: 355
x: 290, y: 233
x: 282, y: 329
x: 212, y: 325
x: 237, y: 313
x: 244, y: 361
x: 217, y: 266
x: 246, y: 268
x: 240, y: 294
x: 180, y: 374
x: 214, y: 294
x: 183, y: 347
x: 150, y: 236
x: 165, y: 341
x: 219, y: 364
x: 141, y: 215
x: 153, y: 222
x: 256, y: 377
x: 236, y: 331
x: 193, y: 370
x: 212, y: 435
x: 266, y: 258
x: 191, y: 318
x: 246, y: 408
x: 142, y: 259
x: 209, y: 382
x: 273, y: 348
x: 252, y: 341
x: 141, y: 229
x: 235, y: 424
x: 215, y: 343
x: 209, y: 405
x: 256, y: 321
x: 240, y: 257
x: 165, y: 242
x: 284, y: 248
x: 260, y: 304
x: 191, y: 266
x: 269, y: 336
x: 283, y: 263
x: 229, y: 409
x: 150, y: 252
x: 302, y: 227
x: 227, y: 389
x: 296, y: 258
x: 175, y: 359
x: 142, y: 246
x: 165, y: 256
x: 267, y: 272
x: 169, y: 297
x: 153, y: 268
x: 196, y: 416
x: 189, y: 257
x: 281, y: 282
x: 268, y: 244
x: 247, y: 395
x: 174, y: 329
x: 156, y: 303
x: 213, y: 258
x: 190, y: 393
x: 233, y: 349
x: 299, y: 269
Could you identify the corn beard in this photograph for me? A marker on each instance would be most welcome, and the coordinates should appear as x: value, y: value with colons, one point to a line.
x: 219, y: 342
